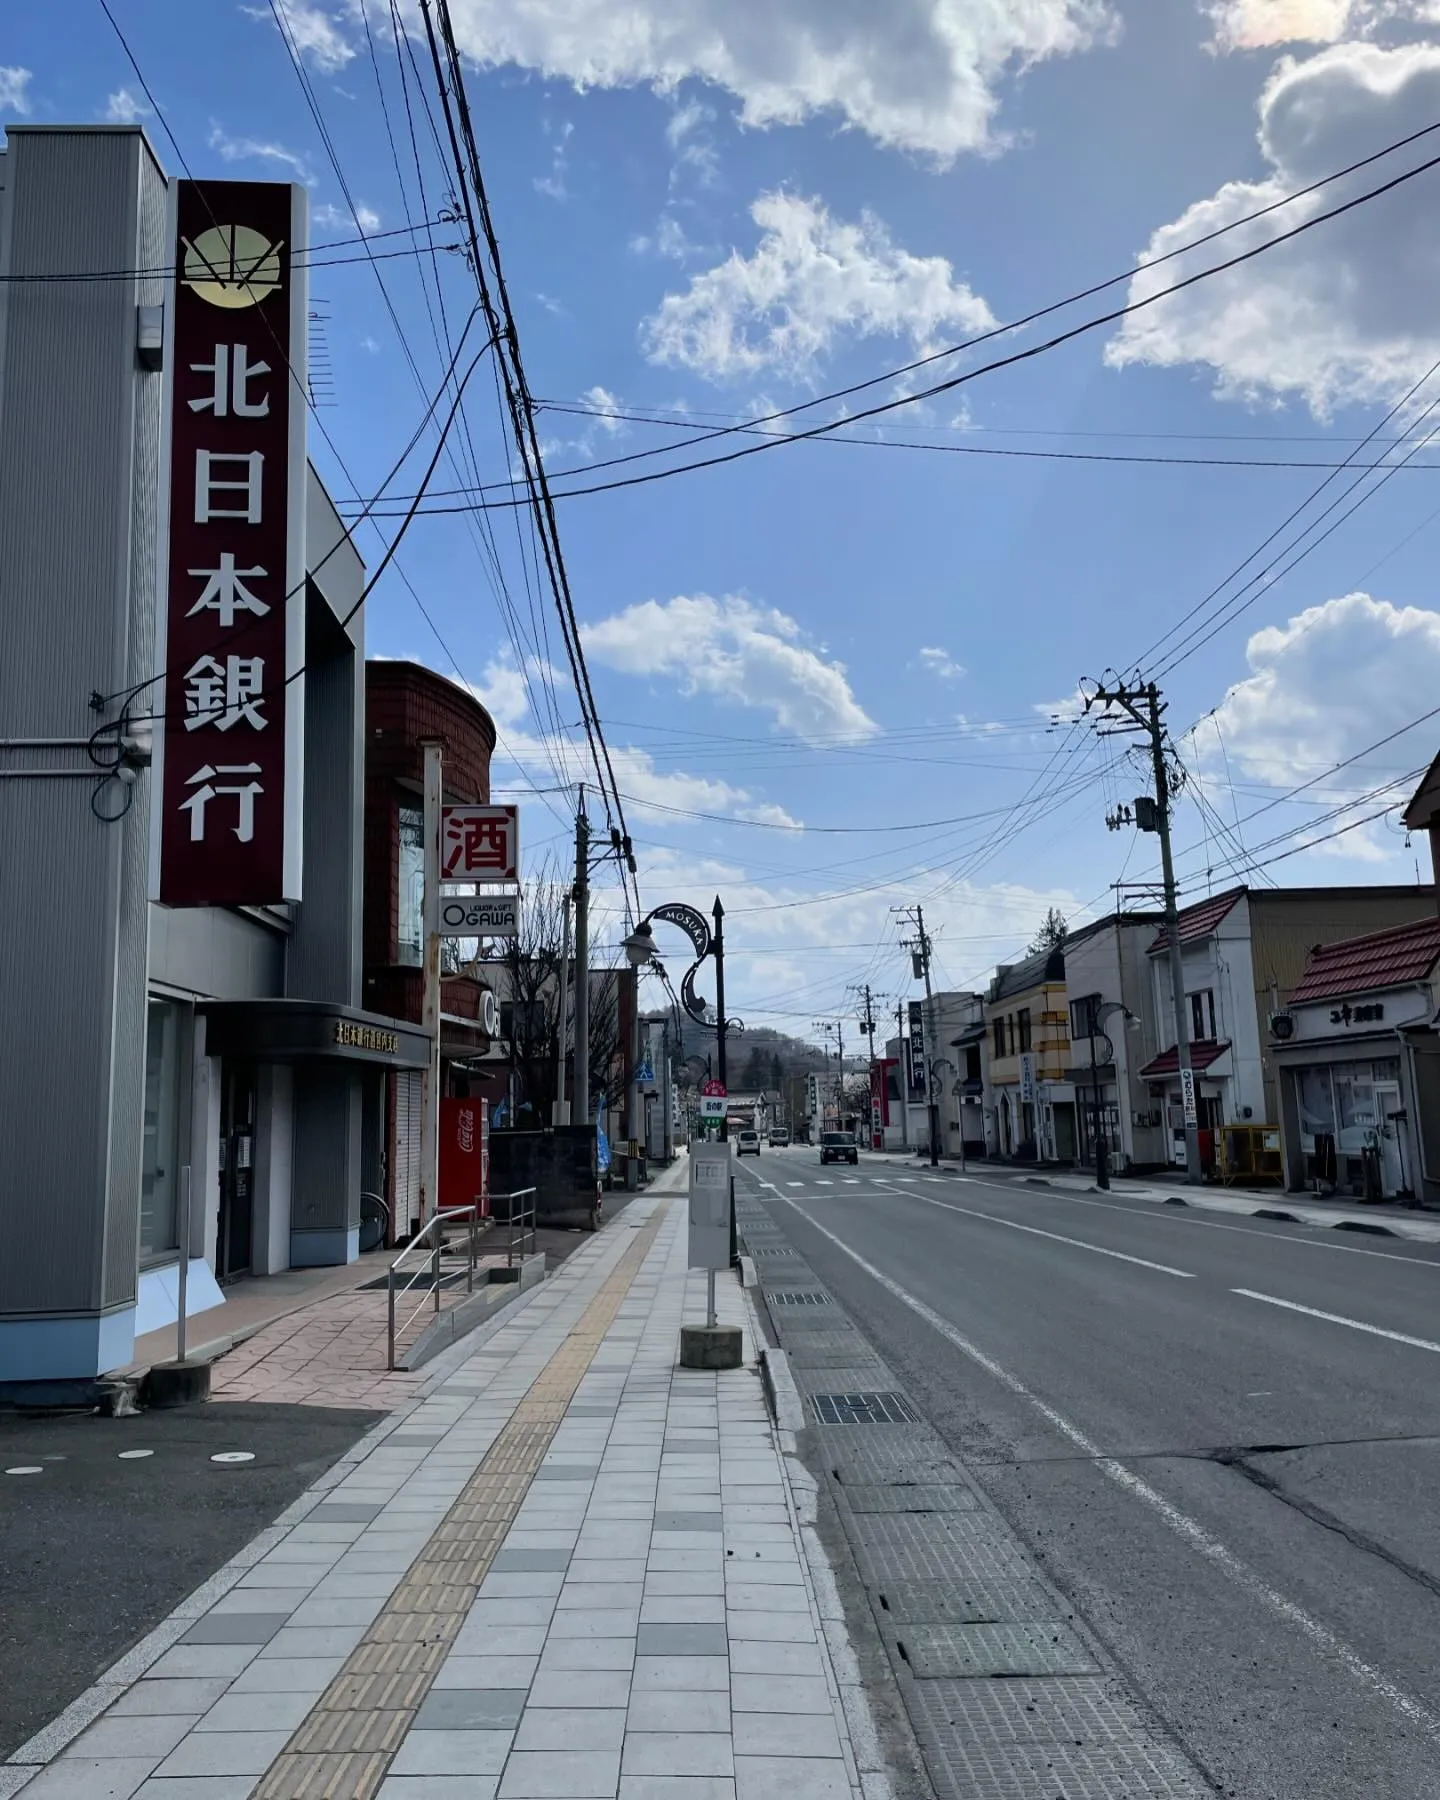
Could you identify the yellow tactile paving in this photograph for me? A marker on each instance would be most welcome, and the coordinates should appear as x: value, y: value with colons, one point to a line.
x: 344, y: 1747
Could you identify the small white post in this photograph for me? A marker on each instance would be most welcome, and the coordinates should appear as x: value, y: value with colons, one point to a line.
x: 183, y: 1269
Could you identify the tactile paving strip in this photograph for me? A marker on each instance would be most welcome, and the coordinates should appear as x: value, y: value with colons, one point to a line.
x: 1043, y: 1648
x: 344, y: 1747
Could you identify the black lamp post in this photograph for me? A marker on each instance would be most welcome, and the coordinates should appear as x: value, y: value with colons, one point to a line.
x: 1102, y: 1009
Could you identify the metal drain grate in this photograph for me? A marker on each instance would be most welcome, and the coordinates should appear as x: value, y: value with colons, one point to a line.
x: 771, y: 1250
x: 800, y: 1297
x: 863, y: 1409
x: 993, y: 1650
x: 913, y: 1497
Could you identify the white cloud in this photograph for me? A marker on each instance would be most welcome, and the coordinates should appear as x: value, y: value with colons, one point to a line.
x: 940, y: 662
x: 606, y: 405
x: 667, y: 240
x: 918, y: 75
x: 122, y: 108
x: 1350, y: 312
x: 243, y: 149
x: 15, y: 88
x: 505, y: 694
x: 553, y: 184
x: 810, y: 280
x: 733, y: 650
x: 315, y: 31
x: 338, y: 218
x: 1265, y: 24
x: 1324, y: 685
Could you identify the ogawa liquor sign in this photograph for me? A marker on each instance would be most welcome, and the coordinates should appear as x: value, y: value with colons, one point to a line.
x: 231, y: 629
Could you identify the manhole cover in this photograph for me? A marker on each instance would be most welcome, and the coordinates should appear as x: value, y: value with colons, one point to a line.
x: 863, y: 1409
x: 800, y: 1297
x: 1046, y: 1648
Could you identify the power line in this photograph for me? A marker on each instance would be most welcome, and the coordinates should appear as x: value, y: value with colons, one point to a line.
x: 775, y: 441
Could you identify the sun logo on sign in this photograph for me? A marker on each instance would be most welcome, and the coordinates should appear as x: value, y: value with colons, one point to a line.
x: 232, y: 266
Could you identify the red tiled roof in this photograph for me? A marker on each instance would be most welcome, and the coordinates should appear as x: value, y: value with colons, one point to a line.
x: 1203, y: 1052
x: 1199, y: 921
x: 1381, y: 959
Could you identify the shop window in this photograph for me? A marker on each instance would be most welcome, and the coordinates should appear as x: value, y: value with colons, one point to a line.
x: 1355, y: 1107
x: 1316, y: 1104
x: 160, y: 1174
x: 1202, y: 1015
x: 410, y: 937
x: 1022, y: 1021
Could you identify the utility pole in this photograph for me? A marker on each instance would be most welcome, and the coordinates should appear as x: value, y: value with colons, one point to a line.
x: 1142, y: 706
x: 920, y: 949
x: 904, y: 1082
x: 868, y: 1027
x: 431, y: 749
x: 580, y: 1107
x: 562, y: 1116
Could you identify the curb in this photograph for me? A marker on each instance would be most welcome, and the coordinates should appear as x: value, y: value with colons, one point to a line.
x: 781, y: 1394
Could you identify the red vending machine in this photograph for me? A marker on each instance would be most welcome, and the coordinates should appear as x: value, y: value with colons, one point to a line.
x: 465, y: 1154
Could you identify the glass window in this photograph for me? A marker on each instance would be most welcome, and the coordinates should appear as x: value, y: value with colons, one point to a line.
x: 410, y: 937
x: 1202, y: 1015
x: 1355, y: 1107
x: 1022, y: 1019
x: 1000, y: 1037
x: 159, y: 1176
x: 1082, y: 1016
x: 1317, y: 1105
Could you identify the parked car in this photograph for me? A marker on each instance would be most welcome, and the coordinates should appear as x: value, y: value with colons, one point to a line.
x: 836, y: 1147
x: 747, y: 1143
x: 779, y: 1138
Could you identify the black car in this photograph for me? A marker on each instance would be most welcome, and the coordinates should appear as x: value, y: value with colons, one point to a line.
x: 836, y: 1147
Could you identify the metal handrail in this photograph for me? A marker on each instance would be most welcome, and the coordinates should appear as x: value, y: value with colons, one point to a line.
x: 453, y: 1215
x: 521, y: 1234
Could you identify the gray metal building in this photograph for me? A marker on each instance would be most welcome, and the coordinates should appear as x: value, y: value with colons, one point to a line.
x: 138, y: 1041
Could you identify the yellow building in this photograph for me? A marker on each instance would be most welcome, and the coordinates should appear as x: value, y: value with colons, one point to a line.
x: 1029, y: 1104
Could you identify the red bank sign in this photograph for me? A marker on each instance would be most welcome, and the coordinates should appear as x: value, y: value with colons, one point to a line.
x: 231, y: 630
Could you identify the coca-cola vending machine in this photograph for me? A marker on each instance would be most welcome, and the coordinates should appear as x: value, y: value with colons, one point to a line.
x: 465, y: 1154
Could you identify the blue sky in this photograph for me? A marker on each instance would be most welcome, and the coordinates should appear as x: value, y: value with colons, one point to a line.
x: 710, y: 212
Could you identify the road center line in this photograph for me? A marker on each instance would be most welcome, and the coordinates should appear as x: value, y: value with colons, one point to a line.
x: 1179, y: 1522
x: 1314, y: 1312
x: 1056, y: 1237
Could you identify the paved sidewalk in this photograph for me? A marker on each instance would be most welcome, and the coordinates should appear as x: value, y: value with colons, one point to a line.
x: 567, y: 1569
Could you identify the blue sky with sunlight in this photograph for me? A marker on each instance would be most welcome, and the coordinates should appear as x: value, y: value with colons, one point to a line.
x: 710, y: 212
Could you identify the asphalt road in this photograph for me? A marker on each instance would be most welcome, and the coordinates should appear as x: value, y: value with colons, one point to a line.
x: 100, y: 1545
x: 1240, y: 1495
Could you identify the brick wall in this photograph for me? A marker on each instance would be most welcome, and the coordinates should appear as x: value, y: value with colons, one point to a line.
x: 404, y: 704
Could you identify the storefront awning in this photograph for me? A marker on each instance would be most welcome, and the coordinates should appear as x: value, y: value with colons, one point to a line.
x: 1203, y: 1053
x: 274, y: 1030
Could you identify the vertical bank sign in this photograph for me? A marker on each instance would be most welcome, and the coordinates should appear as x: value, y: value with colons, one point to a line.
x: 231, y: 627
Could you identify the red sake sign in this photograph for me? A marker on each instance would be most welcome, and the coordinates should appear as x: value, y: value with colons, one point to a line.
x: 231, y: 632
x: 480, y: 843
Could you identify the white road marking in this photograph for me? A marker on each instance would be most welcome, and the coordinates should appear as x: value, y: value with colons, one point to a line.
x: 1314, y: 1312
x: 133, y: 1455
x: 1146, y: 1209
x: 1181, y: 1523
x: 26, y: 1469
x: 1056, y: 1237
x: 794, y: 1184
x: 823, y: 1182
x: 233, y: 1456
x: 852, y: 1181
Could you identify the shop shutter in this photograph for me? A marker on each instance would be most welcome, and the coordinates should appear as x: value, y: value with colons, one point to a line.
x: 407, y: 1152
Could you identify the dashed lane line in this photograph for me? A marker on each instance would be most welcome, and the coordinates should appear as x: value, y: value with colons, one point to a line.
x: 1193, y: 1533
x: 1314, y: 1312
x: 1059, y: 1238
